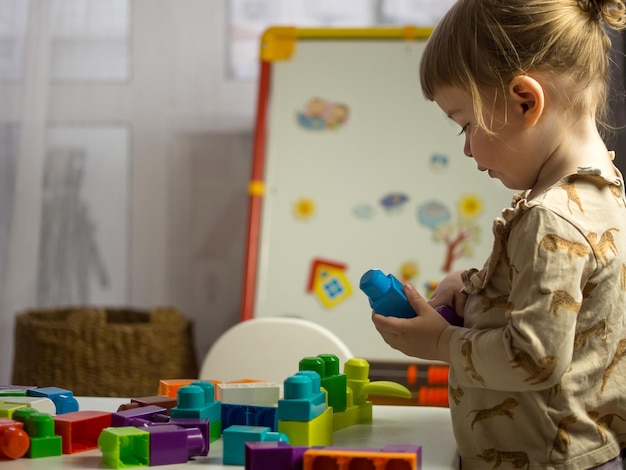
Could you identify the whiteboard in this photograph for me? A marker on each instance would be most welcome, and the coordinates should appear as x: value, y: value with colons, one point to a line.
x: 389, y: 187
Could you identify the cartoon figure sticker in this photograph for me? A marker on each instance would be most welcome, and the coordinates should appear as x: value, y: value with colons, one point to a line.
x: 459, y: 235
x: 439, y: 162
x: 392, y: 202
x: 320, y: 114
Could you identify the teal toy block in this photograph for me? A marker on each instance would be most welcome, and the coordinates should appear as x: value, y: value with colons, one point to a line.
x: 63, y: 399
x: 197, y: 400
x: 303, y: 398
x: 43, y: 441
x: 236, y: 436
x: 125, y: 447
x: 334, y: 382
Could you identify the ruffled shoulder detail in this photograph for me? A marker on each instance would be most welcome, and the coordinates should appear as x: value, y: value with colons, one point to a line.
x: 475, y: 280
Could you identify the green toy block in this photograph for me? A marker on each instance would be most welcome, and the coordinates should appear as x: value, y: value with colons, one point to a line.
x: 335, y: 383
x: 125, y: 447
x: 317, y: 432
x: 43, y: 441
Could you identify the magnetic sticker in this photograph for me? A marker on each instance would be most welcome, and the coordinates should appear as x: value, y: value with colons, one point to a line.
x: 394, y: 201
x: 460, y: 235
x: 328, y: 282
x: 438, y: 162
x: 319, y: 114
x: 304, y: 208
x: 408, y: 271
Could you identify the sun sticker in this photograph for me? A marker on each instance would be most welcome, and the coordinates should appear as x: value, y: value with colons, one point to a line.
x: 304, y: 208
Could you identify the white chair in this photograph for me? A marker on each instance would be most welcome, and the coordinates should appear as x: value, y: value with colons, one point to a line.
x: 270, y: 349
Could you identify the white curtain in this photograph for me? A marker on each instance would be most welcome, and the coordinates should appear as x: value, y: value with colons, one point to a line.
x: 124, y: 159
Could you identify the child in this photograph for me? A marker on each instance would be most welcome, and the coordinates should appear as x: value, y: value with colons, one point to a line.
x: 538, y: 371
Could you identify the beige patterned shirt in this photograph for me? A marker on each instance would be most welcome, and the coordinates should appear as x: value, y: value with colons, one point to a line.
x: 538, y: 374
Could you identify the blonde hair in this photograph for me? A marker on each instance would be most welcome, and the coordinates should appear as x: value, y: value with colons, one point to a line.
x: 480, y: 45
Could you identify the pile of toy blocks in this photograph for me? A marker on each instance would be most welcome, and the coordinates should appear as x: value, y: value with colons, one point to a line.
x: 262, y: 425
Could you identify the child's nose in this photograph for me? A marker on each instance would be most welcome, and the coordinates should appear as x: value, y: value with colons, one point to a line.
x: 467, y: 148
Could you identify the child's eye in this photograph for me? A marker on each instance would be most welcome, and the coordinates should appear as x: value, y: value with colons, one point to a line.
x: 464, y: 129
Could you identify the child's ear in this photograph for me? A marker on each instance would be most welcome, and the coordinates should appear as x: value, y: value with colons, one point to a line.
x: 527, y: 98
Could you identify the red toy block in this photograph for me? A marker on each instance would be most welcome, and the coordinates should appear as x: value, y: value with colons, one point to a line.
x: 80, y: 429
x: 14, y: 441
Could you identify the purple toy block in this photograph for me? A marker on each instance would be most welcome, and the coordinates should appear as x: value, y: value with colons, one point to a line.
x: 273, y: 456
x: 149, y: 413
x: 173, y: 444
x: 198, y: 423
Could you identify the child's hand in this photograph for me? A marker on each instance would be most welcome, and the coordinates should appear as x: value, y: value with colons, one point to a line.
x: 449, y: 292
x: 425, y: 336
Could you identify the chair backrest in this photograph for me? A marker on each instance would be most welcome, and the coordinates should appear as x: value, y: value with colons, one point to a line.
x: 269, y: 348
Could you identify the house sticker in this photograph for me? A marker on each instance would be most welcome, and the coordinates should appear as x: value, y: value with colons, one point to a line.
x: 328, y: 281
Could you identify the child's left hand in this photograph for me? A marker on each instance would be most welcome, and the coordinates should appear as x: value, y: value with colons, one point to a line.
x: 425, y: 336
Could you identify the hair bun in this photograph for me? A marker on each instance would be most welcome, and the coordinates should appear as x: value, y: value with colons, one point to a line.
x: 613, y: 12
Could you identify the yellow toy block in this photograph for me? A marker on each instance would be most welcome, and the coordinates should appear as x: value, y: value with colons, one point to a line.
x: 317, y: 432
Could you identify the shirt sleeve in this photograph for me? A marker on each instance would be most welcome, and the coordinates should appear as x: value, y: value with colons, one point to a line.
x: 548, y: 261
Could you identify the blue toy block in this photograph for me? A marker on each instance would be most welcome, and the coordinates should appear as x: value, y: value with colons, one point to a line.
x: 334, y: 382
x: 63, y: 399
x: 249, y: 415
x: 235, y: 438
x: 303, y: 399
x: 273, y: 456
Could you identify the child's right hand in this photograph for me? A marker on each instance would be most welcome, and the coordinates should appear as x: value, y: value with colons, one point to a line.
x: 449, y: 292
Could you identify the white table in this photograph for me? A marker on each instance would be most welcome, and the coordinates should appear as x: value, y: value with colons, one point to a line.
x: 429, y: 427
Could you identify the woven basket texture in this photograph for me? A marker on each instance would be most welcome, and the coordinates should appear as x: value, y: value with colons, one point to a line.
x: 101, y: 351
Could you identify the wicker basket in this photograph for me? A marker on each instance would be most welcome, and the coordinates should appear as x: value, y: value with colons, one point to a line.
x: 101, y: 351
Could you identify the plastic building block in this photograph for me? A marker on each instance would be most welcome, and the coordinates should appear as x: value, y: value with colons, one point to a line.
x: 386, y: 297
x: 235, y: 438
x: 157, y: 400
x: 43, y: 441
x: 357, y: 372
x: 15, y: 390
x: 125, y: 447
x: 196, y: 423
x: 251, y: 393
x: 249, y: 415
x: 303, y: 398
x: 385, y: 294
x: 7, y: 409
x: 63, y: 399
x: 173, y: 444
x: 41, y: 404
x: 335, y: 383
x: 79, y: 430
x: 273, y: 456
x: 23, y: 413
x: 169, y: 388
x: 317, y: 432
x: 150, y: 413
x: 396, y: 456
x: 14, y: 441
x: 197, y: 400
